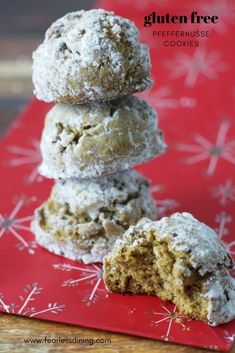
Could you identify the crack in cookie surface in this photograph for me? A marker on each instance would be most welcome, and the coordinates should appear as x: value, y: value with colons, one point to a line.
x: 83, y: 215
x: 90, y: 56
x: 91, y: 140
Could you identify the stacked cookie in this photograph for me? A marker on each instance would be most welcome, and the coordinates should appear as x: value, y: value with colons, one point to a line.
x: 89, y: 64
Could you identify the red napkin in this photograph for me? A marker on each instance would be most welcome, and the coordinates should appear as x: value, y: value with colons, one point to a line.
x: 194, y: 97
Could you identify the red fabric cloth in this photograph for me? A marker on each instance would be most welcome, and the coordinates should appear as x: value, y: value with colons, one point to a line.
x: 194, y: 96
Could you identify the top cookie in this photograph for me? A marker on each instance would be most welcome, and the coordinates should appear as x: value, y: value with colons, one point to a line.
x: 90, y: 56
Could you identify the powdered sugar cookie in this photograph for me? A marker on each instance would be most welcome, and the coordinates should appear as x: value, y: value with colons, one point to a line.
x: 83, y: 218
x: 177, y: 258
x: 90, y: 56
x: 90, y: 140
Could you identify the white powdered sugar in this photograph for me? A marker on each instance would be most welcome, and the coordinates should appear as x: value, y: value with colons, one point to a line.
x: 85, y: 44
x: 188, y: 234
x: 69, y: 249
x: 205, y: 248
x: 91, y: 214
x: 206, y: 254
x: 84, y: 195
x: 87, y: 141
x: 221, y: 297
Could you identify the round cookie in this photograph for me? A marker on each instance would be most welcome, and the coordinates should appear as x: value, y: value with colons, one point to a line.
x: 177, y: 258
x: 90, y: 56
x: 90, y: 140
x: 83, y: 218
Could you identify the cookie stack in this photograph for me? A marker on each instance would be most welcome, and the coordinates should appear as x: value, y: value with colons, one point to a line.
x: 89, y: 64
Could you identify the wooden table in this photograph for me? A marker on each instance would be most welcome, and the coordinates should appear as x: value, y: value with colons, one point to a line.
x: 13, y: 331
x: 21, y: 32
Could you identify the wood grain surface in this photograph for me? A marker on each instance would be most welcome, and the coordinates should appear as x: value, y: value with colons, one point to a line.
x: 14, y: 329
x: 22, y: 25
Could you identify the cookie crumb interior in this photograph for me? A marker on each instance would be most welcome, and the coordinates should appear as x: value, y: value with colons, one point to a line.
x: 151, y: 267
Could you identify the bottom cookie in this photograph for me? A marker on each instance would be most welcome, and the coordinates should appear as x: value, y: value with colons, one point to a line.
x: 71, y: 249
x: 82, y: 219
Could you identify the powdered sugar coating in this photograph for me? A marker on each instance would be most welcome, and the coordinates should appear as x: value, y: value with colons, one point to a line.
x: 220, y: 291
x: 91, y: 195
x: 69, y: 249
x: 185, y: 233
x: 90, y: 140
x: 89, y: 215
x: 90, y: 55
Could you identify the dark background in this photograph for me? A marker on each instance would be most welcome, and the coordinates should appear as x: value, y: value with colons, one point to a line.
x: 22, y: 27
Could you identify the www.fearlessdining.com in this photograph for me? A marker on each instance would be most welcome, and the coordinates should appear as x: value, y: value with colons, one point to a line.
x: 62, y: 340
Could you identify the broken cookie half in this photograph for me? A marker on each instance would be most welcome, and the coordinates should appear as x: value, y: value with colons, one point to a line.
x: 179, y: 259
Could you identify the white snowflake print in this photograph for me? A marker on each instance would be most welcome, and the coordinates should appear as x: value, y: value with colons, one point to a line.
x: 205, y: 149
x: 225, y: 10
x: 211, y: 347
x: 229, y: 337
x: 192, y: 66
x: 223, y: 219
x: 162, y: 99
x: 91, y: 274
x: 165, y: 205
x: 156, y: 188
x: 14, y: 225
x: 170, y: 318
x: 23, y: 307
x: 225, y: 193
x: 28, y: 156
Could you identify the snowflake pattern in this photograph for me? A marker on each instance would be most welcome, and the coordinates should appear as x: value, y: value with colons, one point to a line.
x: 226, y: 11
x: 165, y: 205
x: 205, y: 149
x: 166, y: 321
x: 223, y: 219
x: 225, y: 193
x: 170, y: 317
x: 211, y: 347
x: 162, y: 99
x: 229, y: 337
x: 13, y: 225
x: 156, y: 188
x: 30, y: 156
x: 23, y: 307
x: 91, y: 275
x: 200, y: 63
